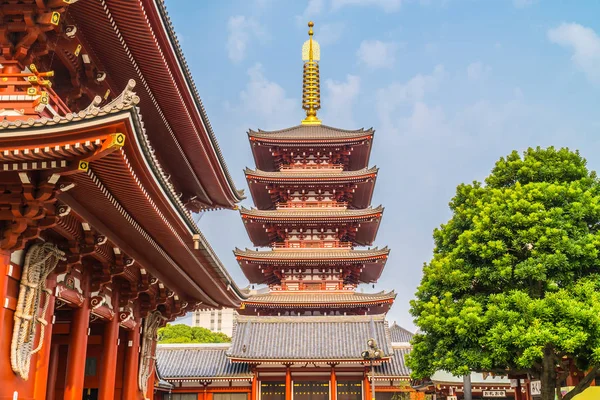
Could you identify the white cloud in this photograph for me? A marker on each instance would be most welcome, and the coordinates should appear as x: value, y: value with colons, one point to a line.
x: 242, y: 29
x: 377, y: 54
x: 329, y: 33
x: 314, y: 7
x: 265, y: 102
x: 386, y: 5
x: 584, y: 43
x: 339, y: 101
x: 398, y: 94
x: 524, y: 3
x: 477, y: 71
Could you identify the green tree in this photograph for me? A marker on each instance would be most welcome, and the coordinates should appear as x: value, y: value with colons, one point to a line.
x: 181, y: 333
x: 514, y: 283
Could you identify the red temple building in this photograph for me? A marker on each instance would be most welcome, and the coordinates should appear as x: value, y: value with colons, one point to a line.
x: 105, y: 150
x: 304, y: 339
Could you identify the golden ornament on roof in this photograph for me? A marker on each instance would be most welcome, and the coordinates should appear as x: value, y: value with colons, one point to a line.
x: 311, y: 87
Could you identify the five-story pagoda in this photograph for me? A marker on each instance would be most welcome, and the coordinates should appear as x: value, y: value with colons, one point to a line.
x: 312, y: 188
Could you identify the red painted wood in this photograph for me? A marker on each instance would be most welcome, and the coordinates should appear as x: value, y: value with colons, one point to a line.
x: 52, y: 372
x: 288, y: 383
x: 130, y: 374
x: 77, y: 350
x: 333, y: 384
x: 9, y: 381
x: 44, y: 356
x: 108, y: 369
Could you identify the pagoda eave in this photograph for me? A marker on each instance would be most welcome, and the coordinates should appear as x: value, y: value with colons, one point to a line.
x: 138, y: 39
x: 122, y: 191
x: 265, y: 186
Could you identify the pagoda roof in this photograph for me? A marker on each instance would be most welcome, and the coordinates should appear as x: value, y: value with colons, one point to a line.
x: 310, y: 298
x: 369, y: 219
x: 364, y: 179
x: 307, y: 338
x: 127, y: 205
x: 136, y: 40
x: 312, y: 133
x: 311, y: 213
x: 400, y: 335
x: 396, y: 366
x: 311, y: 175
x: 373, y: 261
x: 176, y: 362
x: 316, y: 256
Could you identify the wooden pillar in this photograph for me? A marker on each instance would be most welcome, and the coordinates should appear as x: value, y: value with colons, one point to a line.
x: 366, y: 387
x: 150, y: 392
x: 518, y: 393
x: 110, y: 347
x: 333, y: 383
x: 288, y: 383
x: 254, y: 390
x: 9, y: 382
x: 42, y: 368
x: 132, y: 355
x: 52, y: 372
x: 78, y: 338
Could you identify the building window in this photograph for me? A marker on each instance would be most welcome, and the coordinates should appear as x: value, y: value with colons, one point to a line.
x: 230, y: 396
x: 350, y: 390
x: 272, y: 390
x: 180, y: 396
x: 311, y: 390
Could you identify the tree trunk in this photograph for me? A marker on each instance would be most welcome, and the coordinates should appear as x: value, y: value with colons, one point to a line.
x: 548, y: 375
x: 467, y: 387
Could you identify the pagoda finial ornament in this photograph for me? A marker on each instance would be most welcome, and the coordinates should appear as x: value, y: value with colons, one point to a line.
x: 311, y: 88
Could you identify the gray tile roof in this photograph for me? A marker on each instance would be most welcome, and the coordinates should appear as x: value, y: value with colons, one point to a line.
x: 321, y: 296
x: 396, y: 367
x: 197, y: 361
x: 314, y: 254
x: 311, y: 174
x: 321, y: 132
x: 308, y: 338
x: 399, y: 334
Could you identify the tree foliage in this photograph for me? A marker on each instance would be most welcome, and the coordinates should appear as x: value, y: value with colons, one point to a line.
x: 514, y: 283
x: 181, y: 333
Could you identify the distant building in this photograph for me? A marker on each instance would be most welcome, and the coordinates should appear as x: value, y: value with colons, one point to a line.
x: 215, y: 320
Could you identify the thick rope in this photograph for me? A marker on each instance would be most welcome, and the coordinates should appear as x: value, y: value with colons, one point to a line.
x: 151, y: 325
x: 40, y: 261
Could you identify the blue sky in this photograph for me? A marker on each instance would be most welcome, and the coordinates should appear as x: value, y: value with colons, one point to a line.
x: 449, y: 86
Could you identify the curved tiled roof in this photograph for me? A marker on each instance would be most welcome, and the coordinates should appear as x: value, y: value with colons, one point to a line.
x: 308, y: 338
x: 395, y: 367
x: 311, y: 212
x: 239, y: 193
x: 313, y: 254
x: 399, y: 334
x: 198, y: 361
x: 313, y: 132
x: 320, y: 297
x: 311, y: 174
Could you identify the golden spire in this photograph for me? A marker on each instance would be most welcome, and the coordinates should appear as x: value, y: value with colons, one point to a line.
x: 311, y: 89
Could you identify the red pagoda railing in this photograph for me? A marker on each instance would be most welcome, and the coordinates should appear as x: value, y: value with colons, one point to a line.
x: 312, y: 204
x: 309, y: 244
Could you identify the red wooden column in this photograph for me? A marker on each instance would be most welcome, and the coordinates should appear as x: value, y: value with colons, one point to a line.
x: 78, y: 338
x: 366, y: 387
x: 254, y: 393
x: 110, y: 347
x: 43, y: 364
x: 333, y: 383
x: 288, y: 383
x: 52, y: 372
x: 132, y: 355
